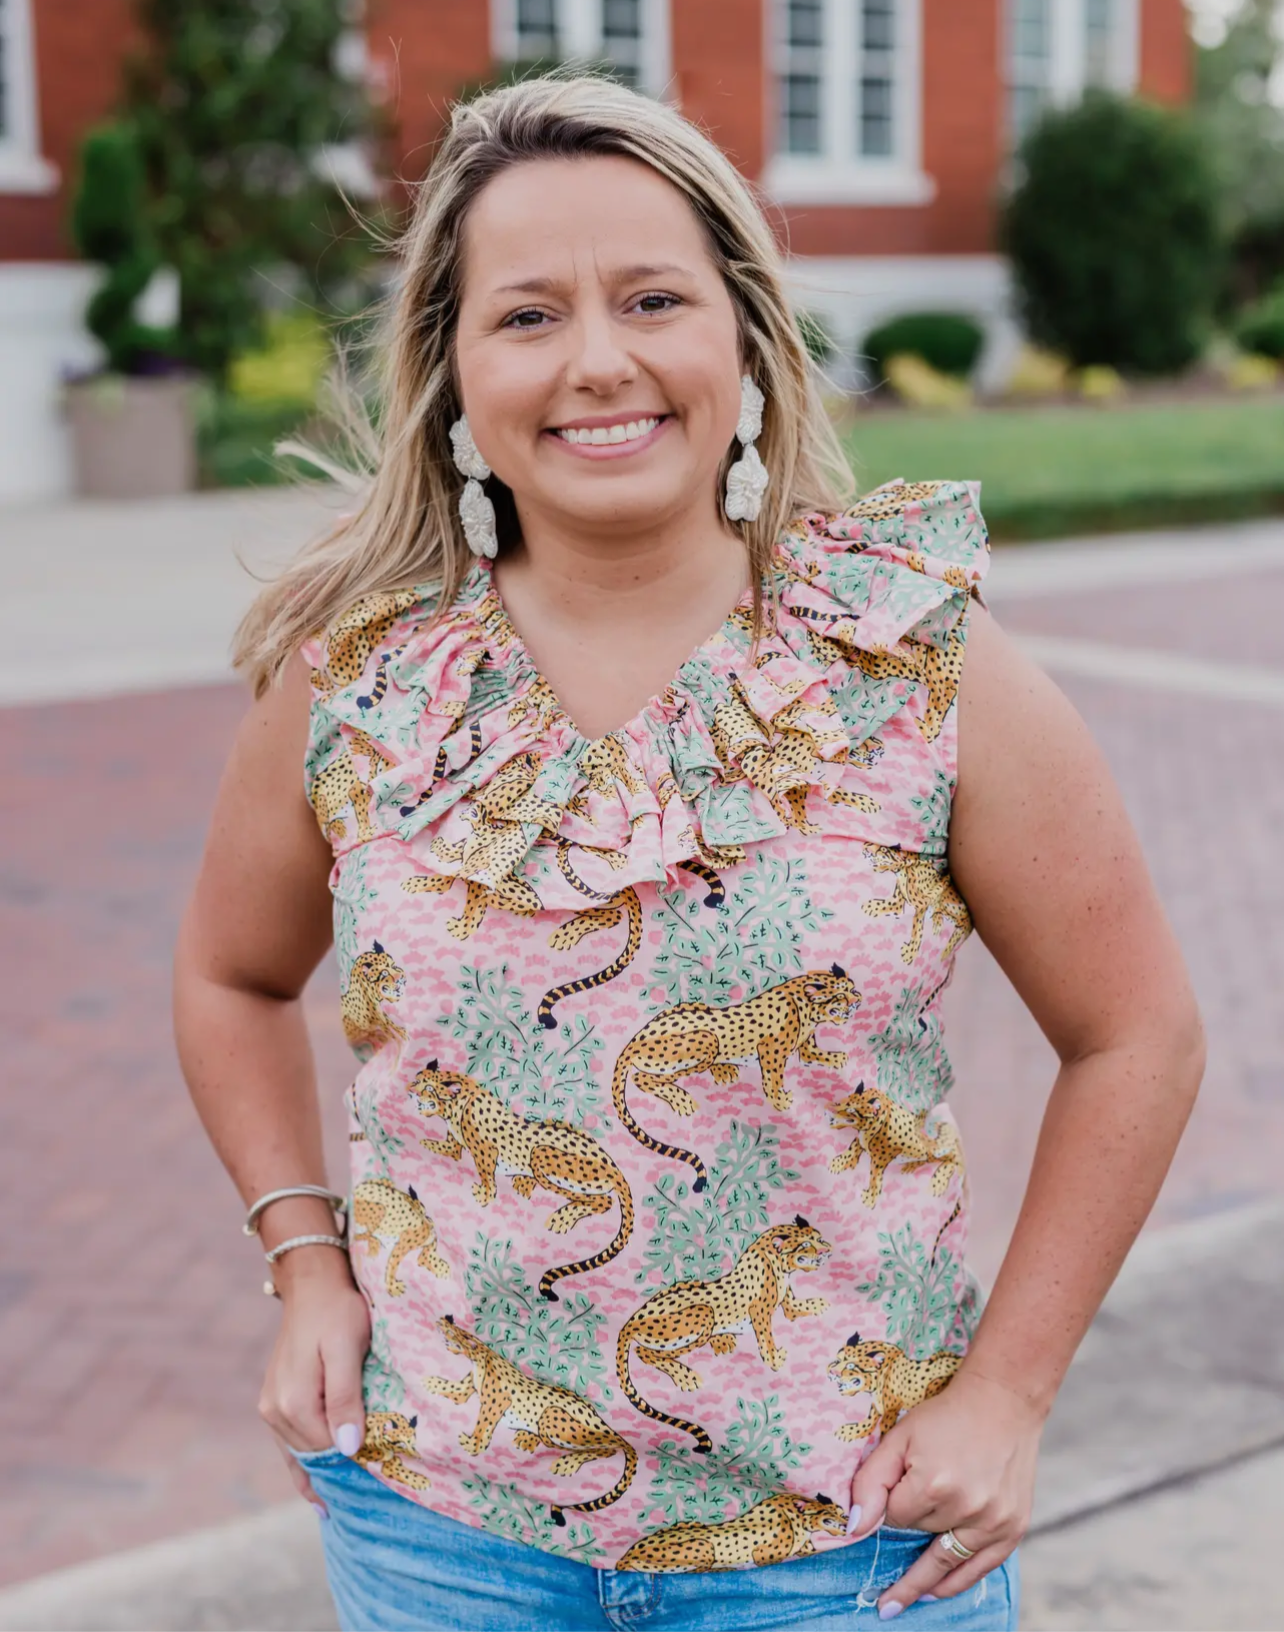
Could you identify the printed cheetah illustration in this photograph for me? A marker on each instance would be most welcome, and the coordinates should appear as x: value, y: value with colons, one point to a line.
x: 388, y: 1434
x: 937, y: 668
x: 379, y: 690
x: 887, y: 502
x: 536, y: 1155
x: 623, y: 904
x: 382, y: 1210
x: 545, y: 1416
x: 340, y: 787
x: 373, y: 980
x: 771, y: 1532
x: 351, y: 639
x: 496, y: 845
x: 606, y: 762
x: 923, y: 885
x: 679, y: 1319
x: 894, y: 1382
x: 693, y: 1037
x: 890, y: 1132
x: 783, y: 767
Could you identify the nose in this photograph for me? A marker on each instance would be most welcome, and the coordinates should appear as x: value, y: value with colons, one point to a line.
x: 598, y: 361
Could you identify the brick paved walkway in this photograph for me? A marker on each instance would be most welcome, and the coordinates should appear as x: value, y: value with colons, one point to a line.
x: 133, y: 1334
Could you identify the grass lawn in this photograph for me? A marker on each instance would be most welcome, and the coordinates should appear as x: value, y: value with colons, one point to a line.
x: 1050, y: 470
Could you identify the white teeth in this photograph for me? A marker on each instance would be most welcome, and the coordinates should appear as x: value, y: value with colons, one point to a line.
x: 602, y: 435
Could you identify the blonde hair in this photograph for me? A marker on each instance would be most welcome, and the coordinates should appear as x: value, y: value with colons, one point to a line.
x: 406, y: 529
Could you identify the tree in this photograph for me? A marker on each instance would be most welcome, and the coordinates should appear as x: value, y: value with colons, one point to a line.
x: 1116, y: 235
x: 233, y: 101
x: 1238, y: 67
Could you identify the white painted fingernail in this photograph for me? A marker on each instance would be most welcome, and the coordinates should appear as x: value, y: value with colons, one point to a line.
x: 853, y: 1521
x: 890, y: 1610
x: 319, y: 1510
x: 348, y: 1439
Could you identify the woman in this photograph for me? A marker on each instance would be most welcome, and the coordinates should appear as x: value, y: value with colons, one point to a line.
x: 656, y: 793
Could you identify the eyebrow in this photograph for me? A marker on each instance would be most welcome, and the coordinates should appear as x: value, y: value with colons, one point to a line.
x: 623, y: 274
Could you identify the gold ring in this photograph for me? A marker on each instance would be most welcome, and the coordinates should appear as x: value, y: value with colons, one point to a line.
x: 955, y: 1547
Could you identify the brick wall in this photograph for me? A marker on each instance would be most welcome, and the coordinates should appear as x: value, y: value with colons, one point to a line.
x: 720, y: 74
x: 79, y: 47
x: 423, y: 52
x: 1166, y: 51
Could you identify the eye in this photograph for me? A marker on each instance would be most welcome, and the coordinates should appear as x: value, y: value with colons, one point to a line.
x: 530, y: 317
x: 655, y: 303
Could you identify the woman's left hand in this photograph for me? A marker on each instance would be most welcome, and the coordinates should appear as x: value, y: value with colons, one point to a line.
x: 963, y: 1461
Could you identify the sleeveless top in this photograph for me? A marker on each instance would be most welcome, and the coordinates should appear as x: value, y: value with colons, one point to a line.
x: 655, y: 1200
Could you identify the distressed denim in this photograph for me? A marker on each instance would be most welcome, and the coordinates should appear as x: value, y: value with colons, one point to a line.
x: 396, y: 1566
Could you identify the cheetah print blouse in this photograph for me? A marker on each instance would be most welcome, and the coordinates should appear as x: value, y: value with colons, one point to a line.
x: 656, y: 1199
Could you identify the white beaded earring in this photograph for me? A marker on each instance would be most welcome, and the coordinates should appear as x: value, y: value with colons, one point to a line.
x: 476, y: 512
x: 748, y: 477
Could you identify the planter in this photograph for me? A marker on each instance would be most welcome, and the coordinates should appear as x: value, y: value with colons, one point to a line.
x: 132, y: 438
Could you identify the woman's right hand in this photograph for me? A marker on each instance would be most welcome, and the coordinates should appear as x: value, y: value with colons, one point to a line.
x: 311, y: 1397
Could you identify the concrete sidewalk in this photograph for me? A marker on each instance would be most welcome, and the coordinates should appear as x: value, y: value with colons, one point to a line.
x: 1160, y: 1504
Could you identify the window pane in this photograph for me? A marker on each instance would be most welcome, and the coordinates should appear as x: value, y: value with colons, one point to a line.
x: 621, y: 20
x: 1029, y: 62
x: 878, y: 25
x: 805, y: 23
x: 4, y: 75
x: 800, y: 113
x: 536, y: 29
x: 877, y: 119
x: 1099, y: 28
x: 876, y: 80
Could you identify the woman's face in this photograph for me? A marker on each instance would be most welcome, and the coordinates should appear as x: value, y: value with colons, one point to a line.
x: 597, y: 347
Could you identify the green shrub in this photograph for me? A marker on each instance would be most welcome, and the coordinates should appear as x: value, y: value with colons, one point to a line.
x: 1260, y: 328
x: 950, y: 342
x: 1115, y: 236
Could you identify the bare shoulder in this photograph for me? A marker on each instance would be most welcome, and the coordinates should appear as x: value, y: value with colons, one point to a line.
x: 1043, y: 851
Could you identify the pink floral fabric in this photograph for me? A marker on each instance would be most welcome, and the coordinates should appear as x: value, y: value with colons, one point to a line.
x: 656, y: 1199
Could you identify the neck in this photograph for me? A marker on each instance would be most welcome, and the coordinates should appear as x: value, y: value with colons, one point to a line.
x: 605, y: 571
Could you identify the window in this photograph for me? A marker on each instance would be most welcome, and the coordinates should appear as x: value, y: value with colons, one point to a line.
x: 1057, y: 49
x: 632, y: 35
x: 22, y: 170
x: 847, y: 102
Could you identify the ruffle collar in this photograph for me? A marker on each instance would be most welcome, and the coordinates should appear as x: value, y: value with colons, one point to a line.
x: 473, y: 763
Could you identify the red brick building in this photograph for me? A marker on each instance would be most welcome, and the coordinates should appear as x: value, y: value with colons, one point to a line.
x: 878, y: 131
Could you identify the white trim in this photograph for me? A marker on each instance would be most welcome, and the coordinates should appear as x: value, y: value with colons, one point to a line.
x: 22, y: 170
x: 839, y: 174
x: 1066, y: 70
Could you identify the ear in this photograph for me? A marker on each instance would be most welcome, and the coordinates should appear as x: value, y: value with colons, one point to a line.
x: 801, y: 1222
x: 837, y: 969
x: 413, y: 1421
x: 449, y: 1319
x: 827, y: 1499
x: 852, y: 1342
x: 877, y: 1357
x: 432, y: 1066
x: 860, y: 1087
x: 375, y: 946
x: 412, y: 1192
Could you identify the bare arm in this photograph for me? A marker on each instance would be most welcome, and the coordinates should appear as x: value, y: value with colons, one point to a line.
x: 256, y: 928
x: 1047, y: 860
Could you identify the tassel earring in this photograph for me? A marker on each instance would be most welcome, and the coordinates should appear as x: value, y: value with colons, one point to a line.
x: 748, y: 477
x: 476, y: 512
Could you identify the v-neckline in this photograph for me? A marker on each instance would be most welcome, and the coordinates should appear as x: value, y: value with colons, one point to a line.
x: 520, y: 661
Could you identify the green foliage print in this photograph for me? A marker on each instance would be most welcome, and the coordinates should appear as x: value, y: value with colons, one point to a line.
x: 864, y: 703
x: 557, y: 1342
x: 381, y: 1386
x: 542, y: 1074
x: 504, y: 1511
x: 752, y: 1463
x: 695, y: 1238
x: 729, y: 953
x: 353, y: 896
x: 933, y: 810
x: 918, y: 1296
x: 911, y: 1061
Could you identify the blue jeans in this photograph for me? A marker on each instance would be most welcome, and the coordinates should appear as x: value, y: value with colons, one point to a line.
x: 394, y: 1566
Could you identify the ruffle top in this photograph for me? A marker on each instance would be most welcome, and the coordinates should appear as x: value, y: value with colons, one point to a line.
x: 649, y: 1140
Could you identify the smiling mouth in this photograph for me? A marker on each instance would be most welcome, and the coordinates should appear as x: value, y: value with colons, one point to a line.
x: 604, y: 436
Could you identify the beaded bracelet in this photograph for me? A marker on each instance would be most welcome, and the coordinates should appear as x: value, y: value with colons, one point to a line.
x: 338, y: 1203
x: 269, y: 1286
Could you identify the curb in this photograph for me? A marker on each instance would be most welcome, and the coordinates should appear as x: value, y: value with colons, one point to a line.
x: 1182, y: 1372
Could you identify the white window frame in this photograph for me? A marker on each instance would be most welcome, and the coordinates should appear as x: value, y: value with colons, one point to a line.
x: 839, y: 173
x: 1067, y: 77
x: 579, y: 28
x: 22, y: 169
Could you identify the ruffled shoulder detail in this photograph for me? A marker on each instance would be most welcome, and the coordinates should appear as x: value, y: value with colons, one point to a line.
x: 440, y: 732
